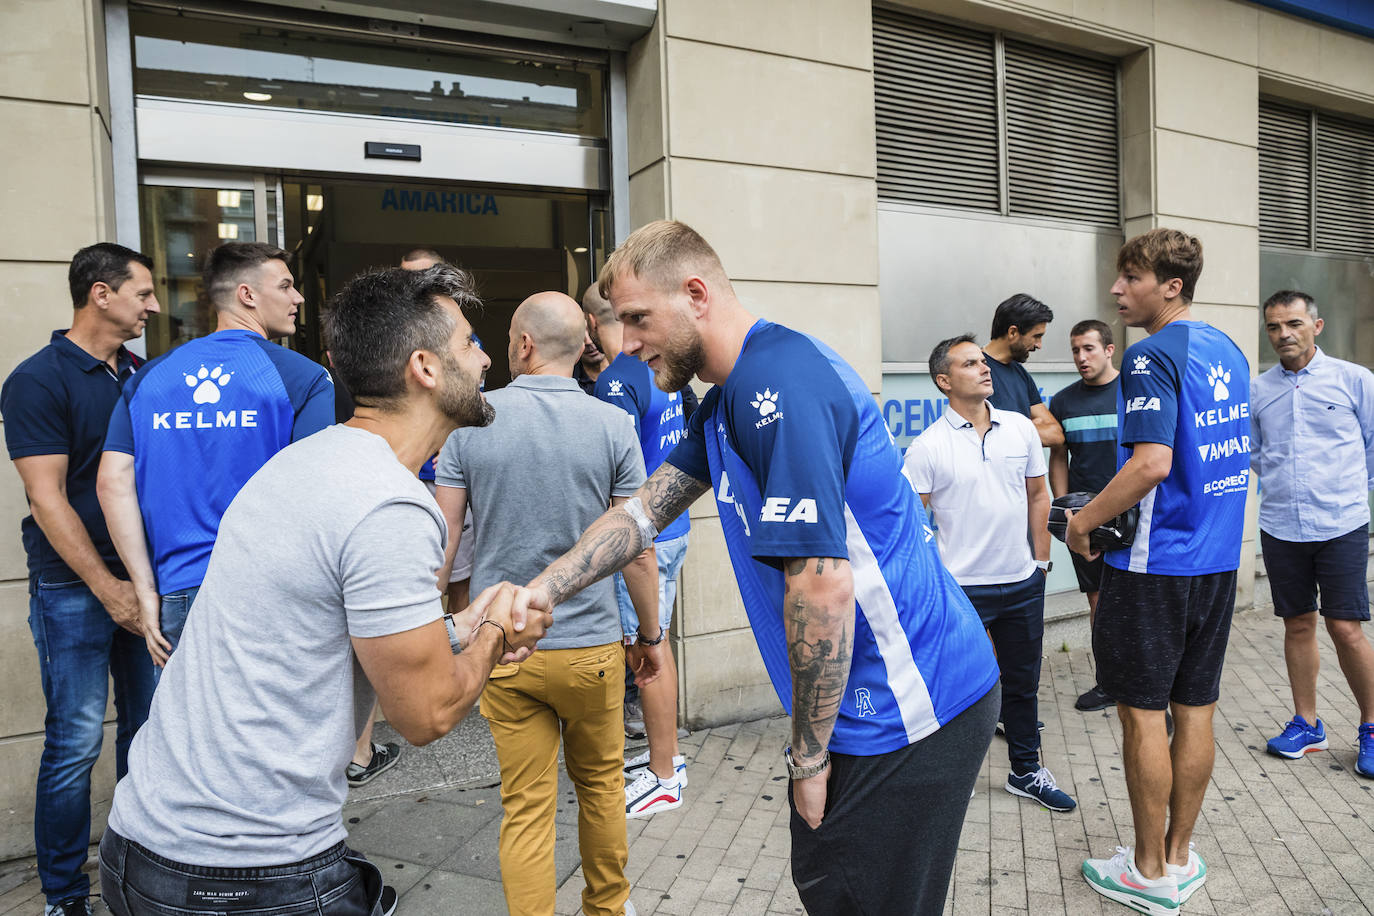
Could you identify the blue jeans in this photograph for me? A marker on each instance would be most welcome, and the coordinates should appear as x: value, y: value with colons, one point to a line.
x: 172, y: 621
x: 670, y: 555
x: 80, y: 649
x: 135, y: 881
x: 1014, y: 615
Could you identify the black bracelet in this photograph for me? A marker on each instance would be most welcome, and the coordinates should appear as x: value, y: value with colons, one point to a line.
x: 504, y: 642
x: 650, y: 642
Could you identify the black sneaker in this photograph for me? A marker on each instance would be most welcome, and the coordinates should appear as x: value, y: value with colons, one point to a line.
x: 389, y: 899
x: 634, y: 720
x: 1093, y: 700
x: 72, y: 906
x: 384, y: 757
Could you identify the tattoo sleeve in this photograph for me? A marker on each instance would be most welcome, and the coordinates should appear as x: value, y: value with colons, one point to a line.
x: 818, y: 618
x: 614, y: 539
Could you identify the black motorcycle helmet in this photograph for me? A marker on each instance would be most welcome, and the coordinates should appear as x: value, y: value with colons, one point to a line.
x: 1116, y: 534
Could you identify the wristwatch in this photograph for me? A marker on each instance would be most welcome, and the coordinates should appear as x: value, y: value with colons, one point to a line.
x: 454, y: 644
x: 1044, y: 566
x: 806, y: 772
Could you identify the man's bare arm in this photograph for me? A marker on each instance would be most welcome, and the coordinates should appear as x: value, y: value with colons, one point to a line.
x: 1059, y: 469
x: 1051, y: 433
x: 45, y: 483
x: 818, y: 618
x: 453, y: 503
x: 615, y: 538
x: 117, y: 489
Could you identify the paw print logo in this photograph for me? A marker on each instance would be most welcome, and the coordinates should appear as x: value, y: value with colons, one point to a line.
x: 207, y: 383
x: 1141, y: 362
x: 615, y: 388
x: 766, y: 402
x: 1217, y: 378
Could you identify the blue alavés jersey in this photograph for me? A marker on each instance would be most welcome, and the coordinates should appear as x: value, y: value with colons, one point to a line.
x: 200, y: 420
x: 1187, y: 386
x: 628, y: 383
x: 803, y: 466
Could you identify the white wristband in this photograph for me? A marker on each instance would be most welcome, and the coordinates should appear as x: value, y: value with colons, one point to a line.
x: 635, y: 508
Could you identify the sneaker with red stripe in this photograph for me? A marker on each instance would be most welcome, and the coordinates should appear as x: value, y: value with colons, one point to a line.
x: 649, y: 794
x: 1118, y: 879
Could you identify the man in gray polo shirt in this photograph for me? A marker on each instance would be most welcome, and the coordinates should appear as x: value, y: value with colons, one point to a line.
x: 552, y: 462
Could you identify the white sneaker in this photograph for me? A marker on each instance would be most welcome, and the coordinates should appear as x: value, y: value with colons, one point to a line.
x: 649, y: 795
x: 640, y: 764
x: 1118, y: 879
x: 1190, y: 877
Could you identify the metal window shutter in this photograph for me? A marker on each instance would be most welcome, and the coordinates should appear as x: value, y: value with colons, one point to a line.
x: 1285, y: 176
x: 935, y: 90
x: 1062, y: 157
x: 1345, y: 186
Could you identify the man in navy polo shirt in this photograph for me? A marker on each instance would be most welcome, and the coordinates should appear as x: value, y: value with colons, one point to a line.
x: 655, y: 779
x: 199, y: 421
x: 83, y: 612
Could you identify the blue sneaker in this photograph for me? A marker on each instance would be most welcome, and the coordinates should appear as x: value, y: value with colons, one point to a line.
x: 1299, y: 738
x: 1364, y: 760
x: 1041, y: 787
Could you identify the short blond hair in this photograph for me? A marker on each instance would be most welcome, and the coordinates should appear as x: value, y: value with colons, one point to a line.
x: 662, y: 253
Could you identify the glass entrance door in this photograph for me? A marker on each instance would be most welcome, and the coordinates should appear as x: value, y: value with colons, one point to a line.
x: 183, y: 216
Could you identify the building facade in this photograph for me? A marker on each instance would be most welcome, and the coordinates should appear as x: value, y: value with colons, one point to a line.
x: 878, y: 175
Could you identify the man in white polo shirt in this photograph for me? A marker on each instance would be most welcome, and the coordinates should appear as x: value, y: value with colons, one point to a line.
x: 981, y: 471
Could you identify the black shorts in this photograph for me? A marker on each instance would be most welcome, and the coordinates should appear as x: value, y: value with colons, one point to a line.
x: 1159, y: 639
x: 1089, y: 572
x: 1337, y: 567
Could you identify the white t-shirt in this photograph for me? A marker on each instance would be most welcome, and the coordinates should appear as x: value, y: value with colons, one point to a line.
x: 977, y: 492
x: 241, y: 762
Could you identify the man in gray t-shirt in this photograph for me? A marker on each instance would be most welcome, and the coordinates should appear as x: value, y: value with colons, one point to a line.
x: 320, y: 586
x: 552, y: 462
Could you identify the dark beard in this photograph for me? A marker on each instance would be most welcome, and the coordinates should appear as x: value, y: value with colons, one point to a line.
x: 460, y: 400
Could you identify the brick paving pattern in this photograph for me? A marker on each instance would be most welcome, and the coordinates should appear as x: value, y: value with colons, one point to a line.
x: 1279, y: 836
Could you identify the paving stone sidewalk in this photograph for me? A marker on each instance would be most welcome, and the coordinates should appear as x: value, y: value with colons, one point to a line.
x: 1279, y: 836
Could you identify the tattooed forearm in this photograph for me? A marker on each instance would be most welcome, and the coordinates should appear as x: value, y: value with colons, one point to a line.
x: 818, y: 617
x: 612, y: 541
x: 668, y: 493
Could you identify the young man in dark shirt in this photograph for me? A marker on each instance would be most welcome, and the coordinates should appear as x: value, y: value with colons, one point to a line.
x: 1086, y: 460
x: 1018, y: 327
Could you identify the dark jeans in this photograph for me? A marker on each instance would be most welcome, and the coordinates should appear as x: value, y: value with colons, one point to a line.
x: 80, y: 649
x: 1014, y: 615
x: 175, y: 607
x: 887, y: 842
x: 135, y: 882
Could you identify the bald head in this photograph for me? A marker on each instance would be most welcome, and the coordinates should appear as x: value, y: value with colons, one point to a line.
x: 546, y: 334
x: 596, y: 306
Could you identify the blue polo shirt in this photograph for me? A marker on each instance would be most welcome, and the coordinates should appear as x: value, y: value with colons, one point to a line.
x: 628, y: 383
x: 199, y: 421
x: 58, y: 402
x: 803, y: 466
x: 1187, y: 386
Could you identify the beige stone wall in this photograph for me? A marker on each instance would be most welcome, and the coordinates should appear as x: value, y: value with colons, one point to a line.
x: 779, y: 178
x: 55, y: 149
x: 753, y: 122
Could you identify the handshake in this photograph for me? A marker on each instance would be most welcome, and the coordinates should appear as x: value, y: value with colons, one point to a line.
x: 523, y: 614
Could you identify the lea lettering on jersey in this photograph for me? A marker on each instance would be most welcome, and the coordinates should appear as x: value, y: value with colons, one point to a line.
x: 199, y: 421
x: 802, y: 465
x: 1187, y: 387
